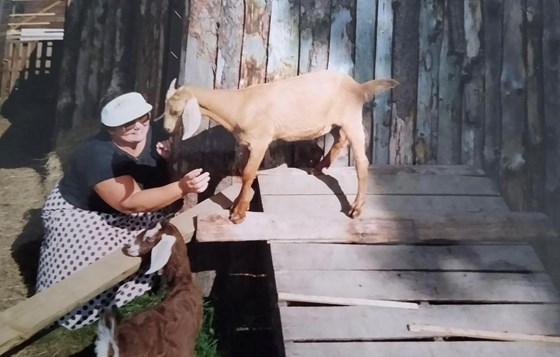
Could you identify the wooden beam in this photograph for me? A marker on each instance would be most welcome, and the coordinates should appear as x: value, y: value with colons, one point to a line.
x: 414, y: 286
x: 485, y: 334
x: 331, y: 300
x: 366, y: 323
x: 464, y: 257
x: 17, y: 24
x: 420, y: 349
x: 45, y: 9
x: 510, y: 226
x: 34, y: 14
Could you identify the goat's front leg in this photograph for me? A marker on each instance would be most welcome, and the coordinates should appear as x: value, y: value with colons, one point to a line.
x: 340, y: 141
x: 356, y: 137
x: 241, y: 203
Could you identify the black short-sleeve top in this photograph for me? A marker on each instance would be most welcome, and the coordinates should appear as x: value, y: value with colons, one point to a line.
x: 99, y: 159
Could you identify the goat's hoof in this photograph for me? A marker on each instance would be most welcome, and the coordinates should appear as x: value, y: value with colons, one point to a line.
x: 316, y: 171
x: 355, y: 212
x: 236, y: 218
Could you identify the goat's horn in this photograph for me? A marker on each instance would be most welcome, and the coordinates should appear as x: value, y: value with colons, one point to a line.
x: 171, y: 90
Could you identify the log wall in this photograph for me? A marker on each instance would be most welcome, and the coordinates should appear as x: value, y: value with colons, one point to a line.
x: 111, y: 46
x: 479, y: 79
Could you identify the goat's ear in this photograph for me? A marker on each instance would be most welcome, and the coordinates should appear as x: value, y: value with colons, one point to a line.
x: 191, y: 118
x: 171, y: 90
x: 161, y: 253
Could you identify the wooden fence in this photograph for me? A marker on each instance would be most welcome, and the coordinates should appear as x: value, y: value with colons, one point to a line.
x: 26, y: 61
x: 478, y: 78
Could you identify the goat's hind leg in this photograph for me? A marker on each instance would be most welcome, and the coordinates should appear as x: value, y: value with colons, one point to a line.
x: 356, y: 137
x: 340, y: 141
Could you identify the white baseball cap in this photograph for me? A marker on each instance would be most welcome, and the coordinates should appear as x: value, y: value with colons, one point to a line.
x: 123, y: 109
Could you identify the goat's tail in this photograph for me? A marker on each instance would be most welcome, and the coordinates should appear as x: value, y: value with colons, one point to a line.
x: 371, y: 88
x: 106, y: 344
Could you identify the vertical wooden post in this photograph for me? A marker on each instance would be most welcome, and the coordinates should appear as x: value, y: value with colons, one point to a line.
x: 282, y: 55
x: 449, y: 121
x: 551, y: 43
x: 535, y: 102
x: 513, y: 162
x: 383, y: 69
x: 493, y: 37
x: 473, y: 93
x: 314, y: 30
x: 341, y: 55
x: 255, y: 39
x: 366, y: 11
x: 430, y: 36
x: 405, y: 69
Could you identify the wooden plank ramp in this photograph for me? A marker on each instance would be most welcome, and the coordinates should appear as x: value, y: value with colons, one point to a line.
x: 437, y: 265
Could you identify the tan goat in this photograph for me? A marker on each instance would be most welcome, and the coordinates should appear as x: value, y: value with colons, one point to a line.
x: 298, y: 108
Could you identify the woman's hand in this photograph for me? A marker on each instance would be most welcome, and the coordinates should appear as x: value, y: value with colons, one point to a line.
x: 163, y: 148
x: 194, y: 181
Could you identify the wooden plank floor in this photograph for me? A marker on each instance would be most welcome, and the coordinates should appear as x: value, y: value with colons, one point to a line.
x: 487, y: 284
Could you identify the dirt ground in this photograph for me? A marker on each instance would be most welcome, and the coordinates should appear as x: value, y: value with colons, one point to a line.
x: 28, y: 171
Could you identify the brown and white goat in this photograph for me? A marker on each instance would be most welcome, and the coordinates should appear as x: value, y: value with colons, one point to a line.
x: 298, y: 108
x: 170, y: 328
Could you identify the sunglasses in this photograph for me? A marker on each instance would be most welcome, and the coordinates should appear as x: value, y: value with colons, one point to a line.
x: 131, y: 124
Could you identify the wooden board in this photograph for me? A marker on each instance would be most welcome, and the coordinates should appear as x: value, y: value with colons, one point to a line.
x: 347, y: 182
x: 430, y: 34
x: 381, y: 229
x: 419, y: 286
x: 315, y: 323
x: 375, y: 205
x: 422, y: 349
x: 316, y: 256
x: 461, y: 170
x: 383, y: 65
x: 185, y: 221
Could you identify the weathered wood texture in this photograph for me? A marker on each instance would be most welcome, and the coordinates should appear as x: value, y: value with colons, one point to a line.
x: 110, y: 47
x: 379, y: 226
x: 421, y: 349
x: 469, y: 94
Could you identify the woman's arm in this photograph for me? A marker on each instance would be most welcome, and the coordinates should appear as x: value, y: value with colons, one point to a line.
x: 123, y: 193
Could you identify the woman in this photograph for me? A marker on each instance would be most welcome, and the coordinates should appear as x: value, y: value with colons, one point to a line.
x: 115, y: 187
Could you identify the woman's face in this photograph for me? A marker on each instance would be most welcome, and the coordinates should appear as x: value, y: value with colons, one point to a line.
x: 134, y: 131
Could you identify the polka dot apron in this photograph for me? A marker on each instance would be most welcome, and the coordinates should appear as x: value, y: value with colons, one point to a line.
x: 74, y: 238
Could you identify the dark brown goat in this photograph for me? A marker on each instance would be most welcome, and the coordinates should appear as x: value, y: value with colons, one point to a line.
x: 170, y: 328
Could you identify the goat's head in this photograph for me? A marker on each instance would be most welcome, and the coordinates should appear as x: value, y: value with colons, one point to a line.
x: 156, y: 240
x: 181, y: 103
